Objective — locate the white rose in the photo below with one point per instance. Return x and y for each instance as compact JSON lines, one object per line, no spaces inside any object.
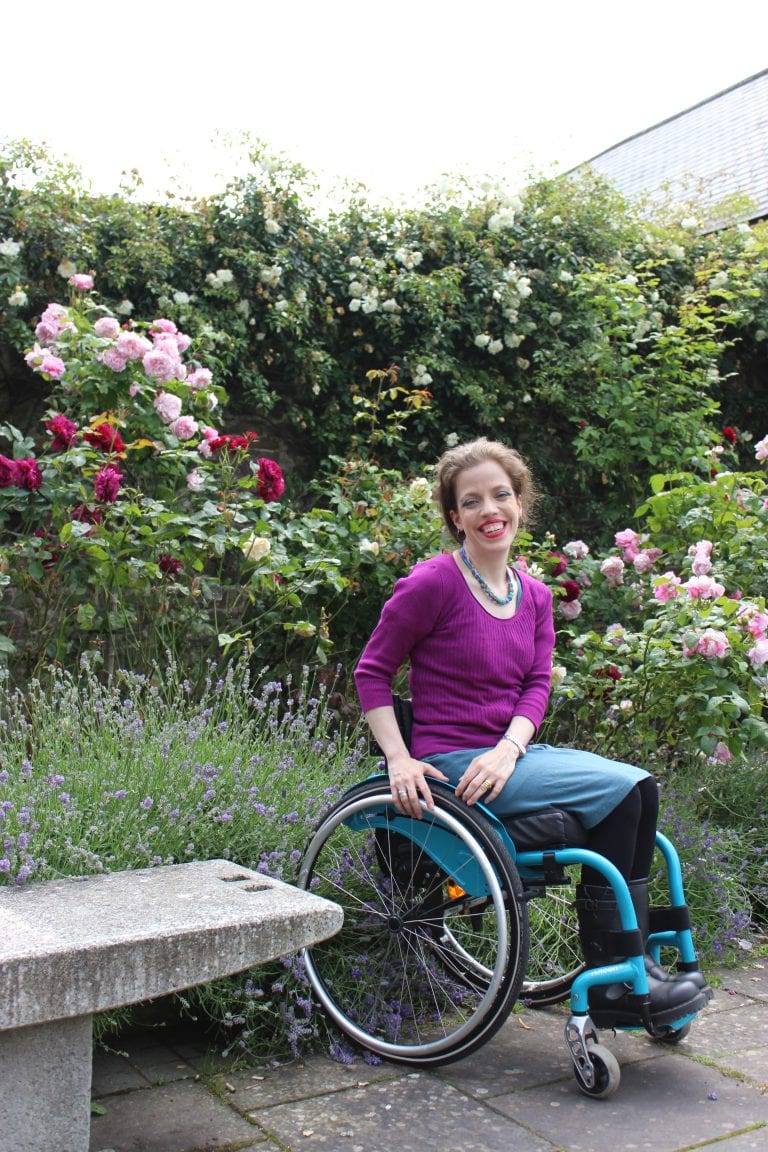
{"x":482,"y":340}
{"x":495,"y":347}
{"x":11,"y":248}
{"x":18,"y":298}
{"x":255,"y":547}
{"x":369,"y":547}
{"x":66,"y":269}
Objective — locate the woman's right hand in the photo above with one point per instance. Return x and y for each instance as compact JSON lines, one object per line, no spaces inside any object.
{"x":409,"y":785}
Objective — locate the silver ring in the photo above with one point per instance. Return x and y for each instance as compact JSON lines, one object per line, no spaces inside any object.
{"x":402,"y":791}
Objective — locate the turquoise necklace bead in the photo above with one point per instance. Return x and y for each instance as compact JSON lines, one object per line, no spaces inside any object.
{"x":511,"y":583}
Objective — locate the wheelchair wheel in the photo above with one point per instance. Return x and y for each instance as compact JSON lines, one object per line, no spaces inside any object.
{"x":432,"y":952}
{"x":606,"y":1072}
{"x":554,"y":955}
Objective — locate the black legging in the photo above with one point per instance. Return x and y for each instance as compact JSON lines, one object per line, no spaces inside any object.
{"x":627,"y":836}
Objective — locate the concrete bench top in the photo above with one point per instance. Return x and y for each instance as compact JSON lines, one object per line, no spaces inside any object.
{"x":82,"y":945}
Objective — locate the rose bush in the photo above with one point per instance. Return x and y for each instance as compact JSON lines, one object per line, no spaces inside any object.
{"x":124,"y":531}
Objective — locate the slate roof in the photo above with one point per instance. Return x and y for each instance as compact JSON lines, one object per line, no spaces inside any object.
{"x":715,"y":149}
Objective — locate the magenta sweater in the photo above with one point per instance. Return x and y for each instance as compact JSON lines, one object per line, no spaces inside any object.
{"x":469,"y":672}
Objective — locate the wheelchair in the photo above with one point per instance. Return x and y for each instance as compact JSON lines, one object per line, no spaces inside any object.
{"x":451,"y":919}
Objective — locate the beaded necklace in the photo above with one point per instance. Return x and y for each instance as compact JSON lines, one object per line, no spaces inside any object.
{"x":511,"y":582}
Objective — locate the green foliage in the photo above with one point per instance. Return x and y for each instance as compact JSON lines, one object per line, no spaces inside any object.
{"x":601,"y":341}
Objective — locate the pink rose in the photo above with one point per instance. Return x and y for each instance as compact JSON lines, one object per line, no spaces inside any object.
{"x":759,"y":654}
{"x":613,"y":570}
{"x":209,"y":433}
{"x":183,"y":428}
{"x":761,"y":449}
{"x":712,"y":644}
{"x":703,"y":588}
{"x":569,"y":609}
{"x":626,"y":539}
{"x":643,"y":562}
{"x":107,"y":327}
{"x":161,"y":366}
{"x":615,"y":634}
{"x":195,"y":480}
{"x":666,"y":587}
{"x":53,"y":322}
{"x":81,"y":281}
{"x":47,"y":333}
{"x":132,"y":345}
{"x":758,"y":625}
{"x":200,"y":378}
{"x":113,"y":360}
{"x":577,"y":549}
{"x":52,"y":366}
{"x":167,"y":326}
{"x":722,"y":753}
{"x":167,"y":406}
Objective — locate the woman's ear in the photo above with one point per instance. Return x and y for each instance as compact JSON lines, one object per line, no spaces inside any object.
{"x":456,"y":519}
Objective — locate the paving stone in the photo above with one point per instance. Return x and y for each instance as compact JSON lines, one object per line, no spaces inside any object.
{"x":180,"y":1117}
{"x":530,"y":1049}
{"x":727,"y":1035}
{"x":259,"y":1088}
{"x":417,"y":1113}
{"x":752,"y":980}
{"x":754,"y":1141}
{"x":667,"y":1105}
{"x":113,"y":1072}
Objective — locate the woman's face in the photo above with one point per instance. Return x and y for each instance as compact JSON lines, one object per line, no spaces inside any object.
{"x":488,"y":510}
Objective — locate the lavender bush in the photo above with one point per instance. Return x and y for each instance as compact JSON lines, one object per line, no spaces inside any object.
{"x":143,"y":771}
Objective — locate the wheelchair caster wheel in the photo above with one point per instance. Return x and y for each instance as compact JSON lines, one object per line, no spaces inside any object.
{"x":606,"y":1073}
{"x":673,"y":1035}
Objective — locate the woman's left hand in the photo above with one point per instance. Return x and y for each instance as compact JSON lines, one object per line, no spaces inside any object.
{"x":487,"y":774}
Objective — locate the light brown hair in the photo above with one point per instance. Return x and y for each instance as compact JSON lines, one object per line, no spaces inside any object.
{"x":464,"y":456}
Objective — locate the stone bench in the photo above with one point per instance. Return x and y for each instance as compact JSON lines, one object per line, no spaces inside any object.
{"x":71,"y":948}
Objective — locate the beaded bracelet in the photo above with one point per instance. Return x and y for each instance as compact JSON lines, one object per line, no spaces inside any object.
{"x":520,"y":750}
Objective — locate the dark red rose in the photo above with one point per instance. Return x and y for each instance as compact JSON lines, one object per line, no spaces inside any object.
{"x":729,"y":434}
{"x":270,"y":483}
{"x":557,"y":563}
{"x":611,"y":672}
{"x":107,"y":484}
{"x":8,"y":472}
{"x":169,"y":565}
{"x":86,"y":515}
{"x":105,"y":437}
{"x":572,"y":590}
{"x":63,"y":431}
{"x":28,"y":474}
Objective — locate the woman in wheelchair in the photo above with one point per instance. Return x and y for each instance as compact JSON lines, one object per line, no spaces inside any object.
{"x":478,"y":635}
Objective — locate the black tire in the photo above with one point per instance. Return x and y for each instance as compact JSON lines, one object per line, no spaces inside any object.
{"x":394,"y":978}
{"x":606,"y":1072}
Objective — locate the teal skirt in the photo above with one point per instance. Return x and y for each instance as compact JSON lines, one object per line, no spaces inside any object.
{"x":580,"y":782}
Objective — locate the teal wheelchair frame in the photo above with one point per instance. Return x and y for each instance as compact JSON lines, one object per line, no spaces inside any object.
{"x":451,"y":919}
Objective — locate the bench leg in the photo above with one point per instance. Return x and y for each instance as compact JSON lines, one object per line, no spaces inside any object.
{"x":45,"y":1071}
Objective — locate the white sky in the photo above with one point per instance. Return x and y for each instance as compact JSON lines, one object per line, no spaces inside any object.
{"x":393,"y":94}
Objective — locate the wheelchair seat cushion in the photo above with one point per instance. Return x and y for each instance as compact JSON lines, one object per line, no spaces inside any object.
{"x":547,"y":828}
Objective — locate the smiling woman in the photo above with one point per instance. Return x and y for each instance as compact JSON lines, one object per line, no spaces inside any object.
{"x":479,"y":636}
